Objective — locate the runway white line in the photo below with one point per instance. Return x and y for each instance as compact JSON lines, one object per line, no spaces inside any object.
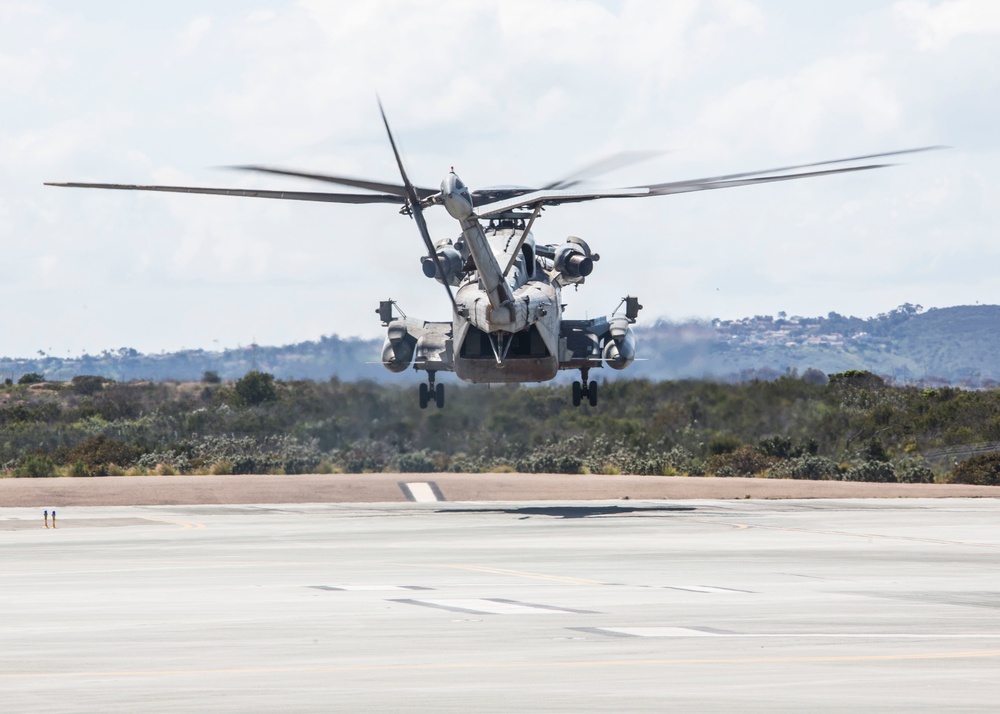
{"x":707,"y":632}
{"x":492,"y":606}
{"x":422,"y":492}
{"x":367,"y":588}
{"x":707,"y":589}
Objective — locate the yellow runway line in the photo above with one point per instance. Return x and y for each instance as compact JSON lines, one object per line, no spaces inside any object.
{"x":510,"y":666}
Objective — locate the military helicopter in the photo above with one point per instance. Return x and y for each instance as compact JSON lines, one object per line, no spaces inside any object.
{"x":505,"y":289}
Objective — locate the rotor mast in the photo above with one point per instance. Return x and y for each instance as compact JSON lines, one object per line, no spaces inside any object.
{"x":457,"y":200}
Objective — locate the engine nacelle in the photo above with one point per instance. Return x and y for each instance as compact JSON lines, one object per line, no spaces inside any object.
{"x":450,"y":261}
{"x":574,"y":261}
{"x":397,"y":352}
{"x":619,"y":347}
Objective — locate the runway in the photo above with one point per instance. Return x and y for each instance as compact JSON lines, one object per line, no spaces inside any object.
{"x":787,"y":606}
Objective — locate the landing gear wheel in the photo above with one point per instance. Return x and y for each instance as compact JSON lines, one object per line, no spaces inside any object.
{"x":424,"y":396}
{"x":439,"y":396}
{"x":592,"y":393}
{"x":577,"y":394}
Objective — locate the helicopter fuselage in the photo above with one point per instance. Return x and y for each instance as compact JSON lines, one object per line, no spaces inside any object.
{"x":507,"y":324}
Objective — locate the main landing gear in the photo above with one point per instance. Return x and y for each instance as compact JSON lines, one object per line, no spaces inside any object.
{"x":584,"y":390}
{"x":429,"y":391}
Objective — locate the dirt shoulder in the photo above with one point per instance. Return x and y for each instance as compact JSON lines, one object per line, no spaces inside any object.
{"x":385,"y":488}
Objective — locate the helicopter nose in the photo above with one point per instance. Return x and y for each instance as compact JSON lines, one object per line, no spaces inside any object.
{"x":456,"y":197}
{"x":452,"y":183}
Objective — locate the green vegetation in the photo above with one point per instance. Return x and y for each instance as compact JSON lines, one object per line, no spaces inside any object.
{"x":852,"y":426}
{"x":255,"y":388}
{"x":982,"y":470}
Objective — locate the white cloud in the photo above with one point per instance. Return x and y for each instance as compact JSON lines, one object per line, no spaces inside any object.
{"x":793,"y":113}
{"x":936,"y":27}
{"x":509,"y":92}
{"x":194,"y":33}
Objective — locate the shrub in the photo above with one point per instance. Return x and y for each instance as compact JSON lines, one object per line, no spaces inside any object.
{"x":783,"y":447}
{"x":211,"y":377}
{"x":958,"y":435}
{"x":31,"y":378}
{"x":872,"y":472}
{"x":874,"y":450}
{"x":364,"y":456}
{"x":744,"y":461}
{"x":236,"y":455}
{"x":87,"y":384}
{"x":99,"y":453}
{"x":857,"y":378}
{"x":78,"y":469}
{"x":362,"y":464}
{"x":255,"y":388}
{"x":222,"y":468}
{"x":816,"y":468}
{"x":914,"y":472}
{"x":152,"y":461}
{"x":415,"y":462}
{"x":979,"y":470}
{"x":680,"y":460}
{"x":547,"y":462}
{"x":35,"y":466}
{"x":722,"y":445}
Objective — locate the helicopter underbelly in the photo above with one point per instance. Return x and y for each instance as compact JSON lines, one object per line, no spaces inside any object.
{"x":521,"y":369}
{"x":530,"y":355}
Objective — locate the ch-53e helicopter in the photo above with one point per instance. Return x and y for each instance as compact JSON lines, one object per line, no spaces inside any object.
{"x":505,"y":289}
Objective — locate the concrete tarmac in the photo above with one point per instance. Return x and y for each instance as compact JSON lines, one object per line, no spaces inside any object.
{"x":600,"y":606}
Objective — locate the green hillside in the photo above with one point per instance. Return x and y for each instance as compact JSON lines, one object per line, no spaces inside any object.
{"x":954,"y":345}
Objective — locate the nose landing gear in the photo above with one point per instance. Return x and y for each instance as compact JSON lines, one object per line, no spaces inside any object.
{"x":430,"y":392}
{"x":584,"y":390}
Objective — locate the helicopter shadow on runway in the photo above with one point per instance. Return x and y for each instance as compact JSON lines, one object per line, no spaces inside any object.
{"x":572,"y":511}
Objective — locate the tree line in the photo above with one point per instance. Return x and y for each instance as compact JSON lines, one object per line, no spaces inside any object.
{"x":852,"y":426}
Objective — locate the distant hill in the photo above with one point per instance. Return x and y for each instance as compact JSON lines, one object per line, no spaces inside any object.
{"x":347,"y":359}
{"x":955,"y":345}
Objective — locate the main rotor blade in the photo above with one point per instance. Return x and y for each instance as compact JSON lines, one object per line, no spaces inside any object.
{"x":413,"y":201}
{"x":782,"y":169}
{"x":392,"y":188}
{"x":482,"y":196}
{"x":248,"y":193}
{"x":746,"y":178}
{"x":496,"y":200}
{"x":553,"y":198}
{"x":689,"y":186}
{"x":601,"y":167}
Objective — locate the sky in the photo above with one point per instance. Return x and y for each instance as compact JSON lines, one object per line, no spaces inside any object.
{"x":506,"y":92}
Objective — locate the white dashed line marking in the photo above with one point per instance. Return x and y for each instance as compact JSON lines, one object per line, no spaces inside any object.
{"x":369,"y":587}
{"x":494,"y":606}
{"x":654,"y":632}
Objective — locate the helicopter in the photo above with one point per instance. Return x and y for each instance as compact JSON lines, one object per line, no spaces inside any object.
{"x":504,"y":288}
